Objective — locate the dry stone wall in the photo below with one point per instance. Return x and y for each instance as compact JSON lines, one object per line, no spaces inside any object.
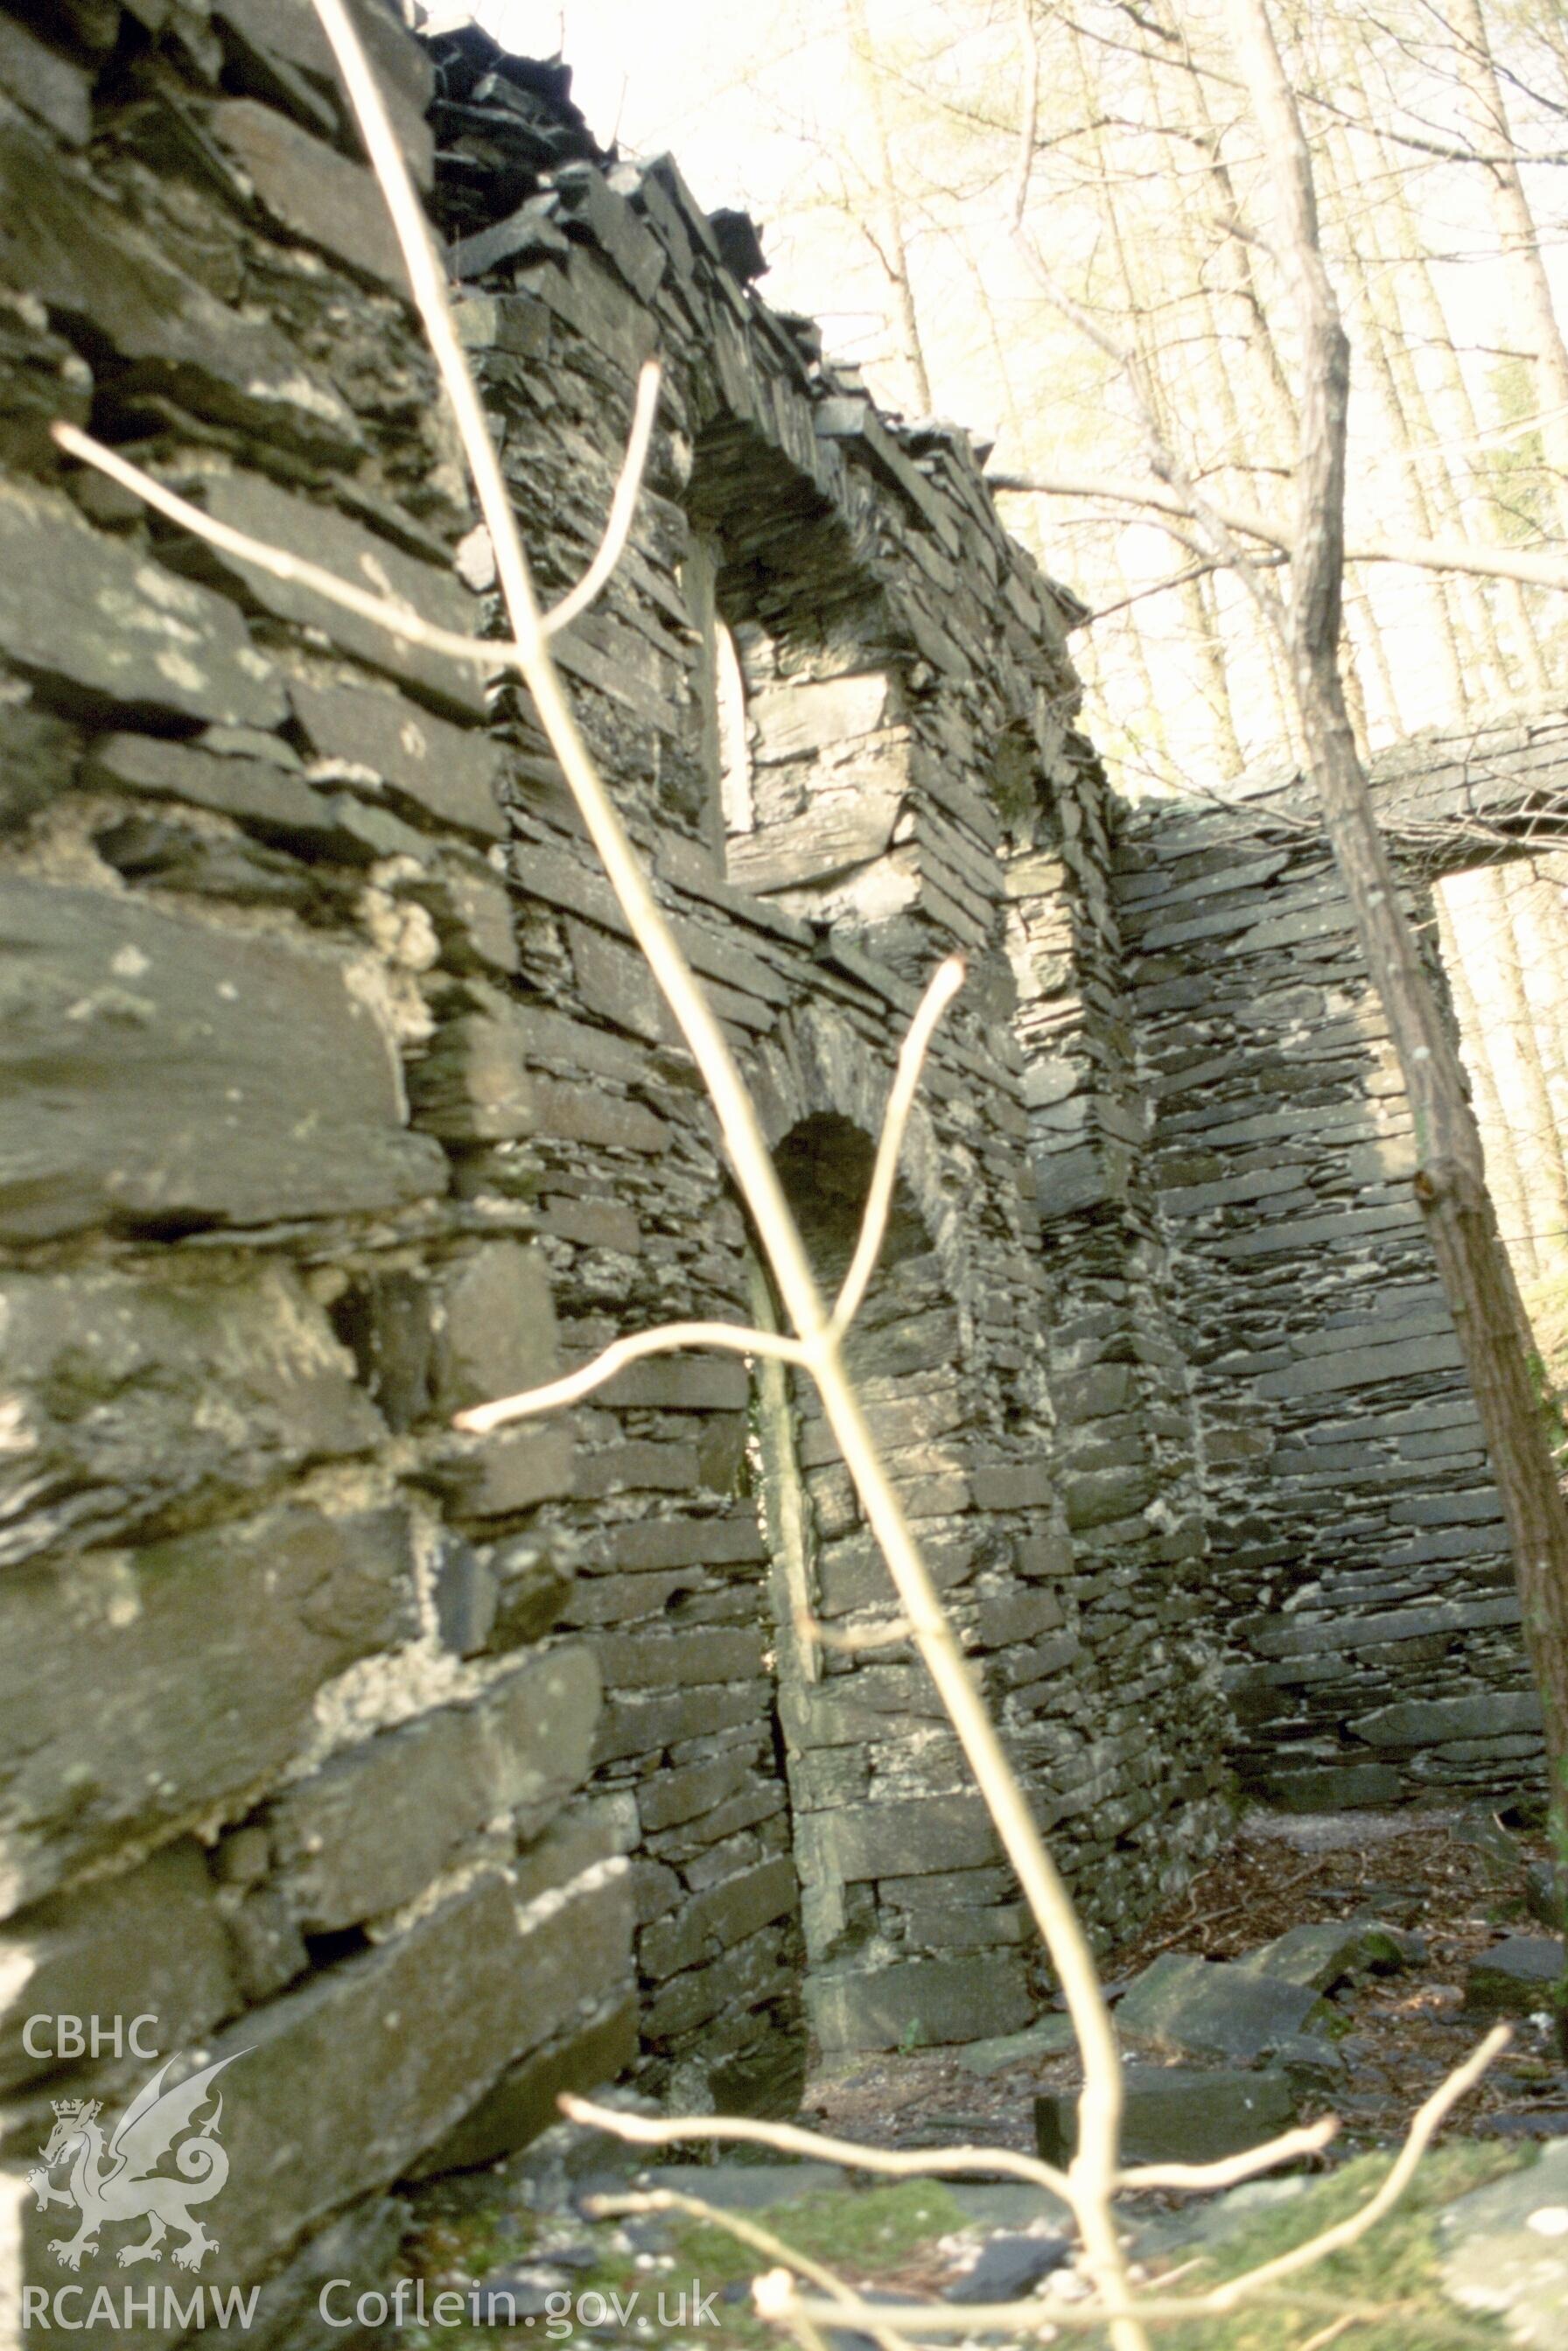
{"x":1364,"y":1578}
{"x":431,"y":1773}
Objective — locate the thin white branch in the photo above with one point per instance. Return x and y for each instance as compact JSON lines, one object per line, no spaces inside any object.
{"x":761,"y":2240}
{"x":1291,"y":2145}
{"x":398,"y":620}
{"x":622,"y":507}
{"x":1477,"y":559}
{"x":1099,"y":2105}
{"x":944,"y":984}
{"x":983,"y":2318}
{"x":1423,"y":2129}
{"x":572,"y":1387}
{"x":789,"y":2138}
{"x":383,"y":612}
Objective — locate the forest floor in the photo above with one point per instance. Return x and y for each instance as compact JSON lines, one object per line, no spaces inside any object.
{"x":1457,"y":1881}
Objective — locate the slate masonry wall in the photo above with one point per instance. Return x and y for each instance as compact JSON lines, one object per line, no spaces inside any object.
{"x":433,"y":1774}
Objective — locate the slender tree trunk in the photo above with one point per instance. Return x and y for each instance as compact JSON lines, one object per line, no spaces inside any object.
{"x":895,"y":247}
{"x":1520,"y":239}
{"x":1208,"y":648}
{"x":1457,"y":423}
{"x":1450,"y":1179}
{"x":1374,"y":346}
{"x":1503,"y":1174}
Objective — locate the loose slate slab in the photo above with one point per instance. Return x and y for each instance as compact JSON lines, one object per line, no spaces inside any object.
{"x":311,"y":191}
{"x":1505,"y":2251}
{"x":1176,"y":2114}
{"x":1201,"y":2009}
{"x":62,"y":242}
{"x":152,"y":1072}
{"x":1318,"y":1958}
{"x":442,"y":771}
{"x":102,"y":626}
{"x":326,"y":536}
{"x":1515,"y":1978}
{"x":1052,"y":2037}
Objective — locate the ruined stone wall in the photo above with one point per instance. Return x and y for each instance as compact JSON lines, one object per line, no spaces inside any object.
{"x":432,"y":1774}
{"x":1128,"y":1436}
{"x":1364,"y":1582}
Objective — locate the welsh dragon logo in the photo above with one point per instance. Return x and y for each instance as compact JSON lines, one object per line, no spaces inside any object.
{"x":118,"y":2183}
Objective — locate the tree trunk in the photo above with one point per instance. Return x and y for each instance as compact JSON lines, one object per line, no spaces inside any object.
{"x":1449,"y":1181}
{"x":1457,"y":422}
{"x":1521,"y":241}
{"x":1504,"y":1177}
{"x":895,"y":259}
{"x":1209,"y":647}
{"x":1374,"y":346}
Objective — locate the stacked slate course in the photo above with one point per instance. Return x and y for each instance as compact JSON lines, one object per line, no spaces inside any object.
{"x":1365,"y":1587}
{"x":436,"y":1773}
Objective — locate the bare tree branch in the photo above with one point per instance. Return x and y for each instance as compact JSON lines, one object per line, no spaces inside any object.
{"x":1424,"y":554}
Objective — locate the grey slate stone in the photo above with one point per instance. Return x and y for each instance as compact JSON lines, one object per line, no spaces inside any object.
{"x":436,"y":769}
{"x":1052,"y":2037}
{"x":49,"y":85}
{"x":312,"y":192}
{"x":1203,"y":2009}
{"x":138,"y":1394}
{"x":896,"y":1838}
{"x":1007,"y":2267}
{"x":1347,"y":1784}
{"x":1517,"y":1976}
{"x":921,"y":2002}
{"x":496,"y":1329}
{"x":467,"y":1598}
{"x":147,"y":1079}
{"x":149,"y":1942}
{"x":64,"y":242}
{"x":249,"y":503}
{"x":593,"y":2053}
{"x":371,"y":1828}
{"x":1430,"y":1722}
{"x":337,"y":2090}
{"x":257,"y":793}
{"x":1544,"y":1894}
{"x":291,"y":31}
{"x":38,"y":756}
{"x":1319,"y":1957}
{"x":204,"y":1654}
{"x":1176,"y":2114}
{"x":104,"y":626}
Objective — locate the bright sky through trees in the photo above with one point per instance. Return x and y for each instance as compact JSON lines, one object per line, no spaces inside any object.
{"x":773,"y":110}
